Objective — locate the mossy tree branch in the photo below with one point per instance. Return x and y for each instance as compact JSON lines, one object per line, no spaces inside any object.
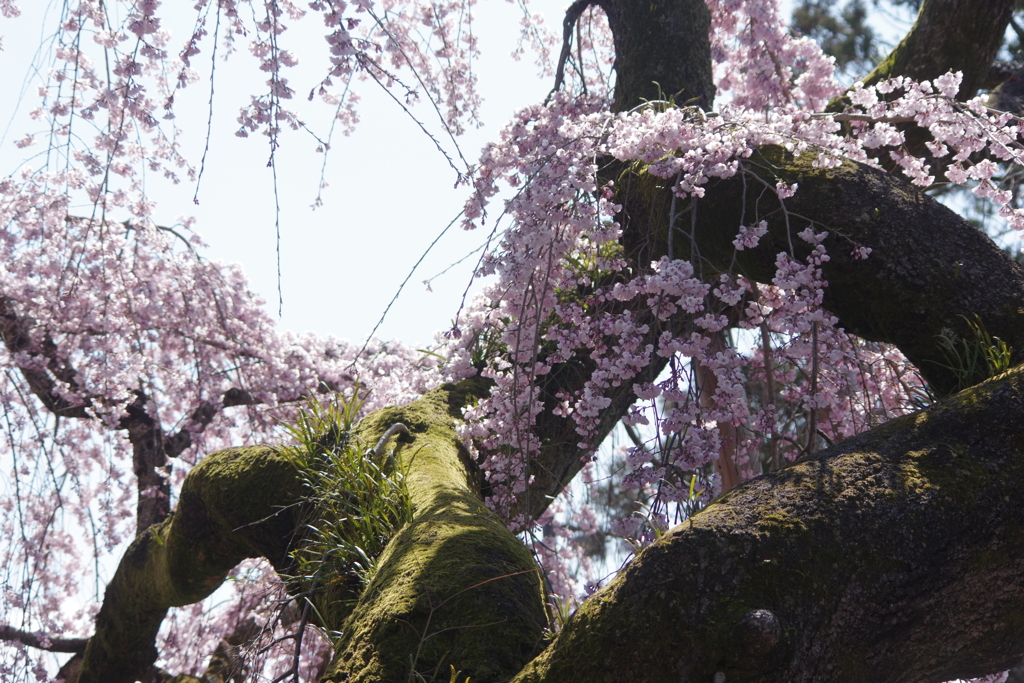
{"x":452,"y":579}
{"x":454,"y":587}
{"x":897,"y":556}
{"x":235,"y":504}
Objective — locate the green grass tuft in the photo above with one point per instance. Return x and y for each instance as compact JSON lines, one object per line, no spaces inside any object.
{"x":356,"y":501}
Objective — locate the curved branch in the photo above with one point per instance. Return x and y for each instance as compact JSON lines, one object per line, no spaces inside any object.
{"x":572,"y":15}
{"x":929,"y":270}
{"x":235,"y":504}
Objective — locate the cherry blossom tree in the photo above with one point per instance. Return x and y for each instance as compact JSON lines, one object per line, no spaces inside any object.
{"x":707,"y":239}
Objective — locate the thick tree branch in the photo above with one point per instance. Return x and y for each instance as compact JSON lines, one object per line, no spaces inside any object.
{"x":235,"y":504}
{"x":948,"y":35}
{"x":929,"y":270}
{"x":661,"y":51}
{"x":454,"y":587}
{"x":896,"y":556}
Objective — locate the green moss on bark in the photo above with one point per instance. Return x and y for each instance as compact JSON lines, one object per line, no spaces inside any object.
{"x":454,"y":587}
{"x":235,"y":504}
{"x":871,"y":558}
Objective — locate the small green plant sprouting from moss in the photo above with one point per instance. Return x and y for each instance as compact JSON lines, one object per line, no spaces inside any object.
{"x":487,"y":345}
{"x":356,"y":499}
{"x":559,"y":610}
{"x":975,"y":358}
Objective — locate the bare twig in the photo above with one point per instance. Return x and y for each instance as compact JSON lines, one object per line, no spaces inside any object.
{"x":400,"y":288}
{"x":812,"y":430}
{"x":300,"y":630}
{"x":769,"y":399}
{"x":572,"y":15}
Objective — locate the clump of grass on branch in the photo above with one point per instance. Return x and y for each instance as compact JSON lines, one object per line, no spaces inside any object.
{"x":356,"y":500}
{"x":975,"y":358}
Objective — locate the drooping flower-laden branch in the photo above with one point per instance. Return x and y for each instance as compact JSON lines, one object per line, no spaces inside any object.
{"x":739,"y":285}
{"x":574,"y":290}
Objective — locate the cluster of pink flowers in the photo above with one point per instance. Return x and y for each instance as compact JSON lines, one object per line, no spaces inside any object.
{"x":762,"y":65}
{"x":827,"y":385}
{"x":110,"y":306}
{"x":102,"y":306}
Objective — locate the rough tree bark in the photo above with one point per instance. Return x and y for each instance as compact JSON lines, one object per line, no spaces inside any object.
{"x":896,"y":556}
